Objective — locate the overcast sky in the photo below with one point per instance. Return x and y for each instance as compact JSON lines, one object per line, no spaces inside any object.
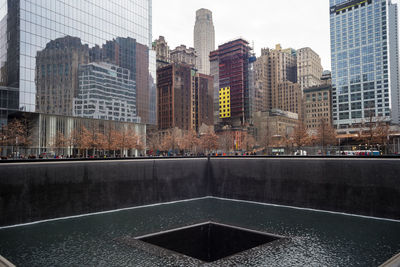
{"x":292,"y":23}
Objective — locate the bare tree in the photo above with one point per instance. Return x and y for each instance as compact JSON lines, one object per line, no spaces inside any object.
{"x":132,"y":140}
{"x":59,"y":142}
{"x":18,"y":133}
{"x":248,"y":142}
{"x":140,"y":145}
{"x":110,"y":139}
{"x":189,"y":141}
{"x":265,"y":138}
{"x":326,"y":135}
{"x":225,"y":141}
{"x":300,"y":135}
{"x":170,"y":139}
{"x":381,"y":135}
{"x":154,"y":142}
{"x":101,"y":142}
{"x":27,"y":132}
{"x":121,"y":139}
{"x":367,"y":136}
{"x":209,"y":141}
{"x":73,"y":140}
{"x":3,"y":137}
{"x":85,"y":140}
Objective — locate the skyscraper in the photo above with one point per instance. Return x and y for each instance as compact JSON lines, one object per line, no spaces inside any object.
{"x":232,"y":66}
{"x":27,"y":27}
{"x":309,"y":68}
{"x":276,"y":80}
{"x":364,"y":50}
{"x":204,"y":39}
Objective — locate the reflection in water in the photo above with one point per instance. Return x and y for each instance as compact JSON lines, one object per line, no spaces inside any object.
{"x":315,"y":238}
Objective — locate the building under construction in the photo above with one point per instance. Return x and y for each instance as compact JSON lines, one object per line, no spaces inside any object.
{"x":232,"y":64}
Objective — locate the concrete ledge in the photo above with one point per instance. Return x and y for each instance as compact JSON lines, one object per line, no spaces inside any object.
{"x":393,"y":262}
{"x":5,"y":263}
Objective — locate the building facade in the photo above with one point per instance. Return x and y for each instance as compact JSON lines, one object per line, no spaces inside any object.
{"x":57,"y":75}
{"x":8,"y":103}
{"x":204,"y":39}
{"x":184,"y":98}
{"x":28,"y":26}
{"x":214,"y":72}
{"x":276,"y":81}
{"x":161,"y":48}
{"x":309,"y":68}
{"x":182,"y":54}
{"x":317,"y":107}
{"x":202,"y":101}
{"x":364,"y":50}
{"x":326,"y":77}
{"x":235,"y":64}
{"x":288,"y":98}
{"x":105,"y":92}
{"x":44,"y":130}
{"x":272,"y":126}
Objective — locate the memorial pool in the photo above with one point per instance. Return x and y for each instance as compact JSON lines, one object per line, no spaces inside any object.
{"x":313,"y":238}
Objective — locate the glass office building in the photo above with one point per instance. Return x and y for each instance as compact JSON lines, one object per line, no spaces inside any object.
{"x":43,"y":43}
{"x":108,"y":92}
{"x":364,"y":50}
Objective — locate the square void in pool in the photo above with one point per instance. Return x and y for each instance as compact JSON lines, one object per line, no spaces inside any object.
{"x":209,"y":241}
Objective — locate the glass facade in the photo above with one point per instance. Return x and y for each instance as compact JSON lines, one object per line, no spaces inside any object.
{"x":153,"y":87}
{"x":364,"y":83}
{"x":105,"y":92}
{"x":66,"y":33}
{"x":8,"y":103}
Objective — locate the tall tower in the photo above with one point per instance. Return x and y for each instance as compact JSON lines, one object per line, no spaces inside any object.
{"x":276,"y":76}
{"x":23,"y":57}
{"x":232,"y":66}
{"x":204,"y":39}
{"x":309,"y":68}
{"x":365,"y":71}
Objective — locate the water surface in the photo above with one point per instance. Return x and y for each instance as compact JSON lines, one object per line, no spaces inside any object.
{"x":313,"y":238}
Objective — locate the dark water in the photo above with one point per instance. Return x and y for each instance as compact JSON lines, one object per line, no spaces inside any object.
{"x":314,"y":238}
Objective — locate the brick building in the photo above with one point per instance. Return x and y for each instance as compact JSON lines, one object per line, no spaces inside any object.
{"x":184,"y":98}
{"x":317,"y":106}
{"x":276,"y":80}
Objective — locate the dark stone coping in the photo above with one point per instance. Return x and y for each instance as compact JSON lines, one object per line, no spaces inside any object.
{"x":196,"y":157}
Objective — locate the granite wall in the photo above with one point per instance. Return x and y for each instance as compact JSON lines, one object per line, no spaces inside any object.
{"x":36,"y":191}
{"x":359,"y":186}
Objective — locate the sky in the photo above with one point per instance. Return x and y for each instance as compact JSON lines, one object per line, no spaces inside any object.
{"x":291,"y":23}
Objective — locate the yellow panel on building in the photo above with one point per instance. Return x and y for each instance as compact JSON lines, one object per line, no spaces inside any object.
{"x":225,"y":102}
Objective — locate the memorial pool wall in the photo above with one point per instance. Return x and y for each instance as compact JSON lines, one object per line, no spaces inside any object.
{"x":34,"y":191}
